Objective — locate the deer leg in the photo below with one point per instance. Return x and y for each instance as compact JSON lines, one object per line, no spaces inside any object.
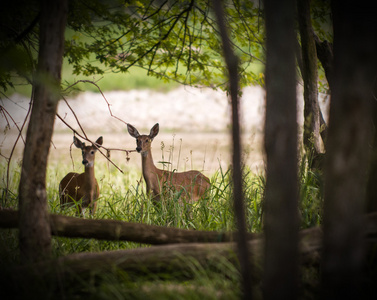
{"x":92,"y":208}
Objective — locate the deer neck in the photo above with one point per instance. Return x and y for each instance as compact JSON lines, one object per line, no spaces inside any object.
{"x":147,"y":163}
{"x":149,"y":169}
{"x":89,"y":179}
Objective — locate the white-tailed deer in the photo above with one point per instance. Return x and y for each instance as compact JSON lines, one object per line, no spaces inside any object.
{"x":191,"y":184}
{"x":82,"y":188}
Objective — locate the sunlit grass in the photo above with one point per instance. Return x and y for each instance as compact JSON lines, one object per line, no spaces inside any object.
{"x":123,"y":198}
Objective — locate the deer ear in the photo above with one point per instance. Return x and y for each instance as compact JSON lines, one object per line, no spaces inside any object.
{"x":154,"y":131}
{"x":99,"y":141}
{"x":78,"y":143}
{"x":132,"y":131}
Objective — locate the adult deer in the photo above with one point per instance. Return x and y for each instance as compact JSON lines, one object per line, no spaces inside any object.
{"x":75,"y":187}
{"x":191,"y":184}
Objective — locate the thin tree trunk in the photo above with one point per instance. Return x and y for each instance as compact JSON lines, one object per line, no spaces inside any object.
{"x":238,"y":195}
{"x":281,"y":195}
{"x":35,"y":235}
{"x":347,"y":158}
{"x":312,"y":124}
{"x":325,"y":56}
{"x":372,"y":177}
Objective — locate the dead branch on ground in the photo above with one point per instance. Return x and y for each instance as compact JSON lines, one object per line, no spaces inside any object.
{"x":114,"y":230}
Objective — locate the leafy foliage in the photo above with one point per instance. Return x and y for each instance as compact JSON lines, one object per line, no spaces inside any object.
{"x":176,"y":40}
{"x":171,"y":40}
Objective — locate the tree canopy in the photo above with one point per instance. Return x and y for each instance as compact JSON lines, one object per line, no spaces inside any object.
{"x":172,"y":40}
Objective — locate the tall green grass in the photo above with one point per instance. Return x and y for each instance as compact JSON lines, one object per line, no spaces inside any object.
{"x":123,"y":198}
{"x":311,"y":195}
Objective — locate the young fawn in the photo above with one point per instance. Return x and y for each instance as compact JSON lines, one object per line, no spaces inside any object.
{"x":75,"y":187}
{"x":192,"y":184}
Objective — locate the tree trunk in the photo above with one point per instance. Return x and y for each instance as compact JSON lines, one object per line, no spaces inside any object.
{"x":325,"y":56}
{"x":347,"y":158}
{"x":238,"y":196}
{"x":309,"y":72}
{"x":281,"y":195}
{"x":372,"y":177}
{"x":35,"y":235}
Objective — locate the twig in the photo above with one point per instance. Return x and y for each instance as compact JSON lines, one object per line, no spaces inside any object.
{"x":82,"y":129}
{"x":5,"y":113}
{"x":15,"y":143}
{"x":99,"y":89}
{"x":74,"y":114}
{"x":98,"y":147}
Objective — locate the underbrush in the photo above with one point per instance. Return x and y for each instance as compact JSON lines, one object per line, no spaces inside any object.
{"x":123,"y":198}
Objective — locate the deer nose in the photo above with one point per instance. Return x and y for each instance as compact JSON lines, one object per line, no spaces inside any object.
{"x":138,"y":149}
{"x":84,"y":162}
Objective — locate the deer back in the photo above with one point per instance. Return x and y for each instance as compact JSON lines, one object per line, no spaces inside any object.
{"x":69,"y":189}
{"x":73,"y":187}
{"x":193,"y":183}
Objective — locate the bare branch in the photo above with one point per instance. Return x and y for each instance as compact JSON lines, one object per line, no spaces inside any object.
{"x":14,"y":145}
{"x":99,"y":89}
{"x":5,"y":114}
{"x":74,"y":114}
{"x":86,"y":139}
{"x":108,"y":150}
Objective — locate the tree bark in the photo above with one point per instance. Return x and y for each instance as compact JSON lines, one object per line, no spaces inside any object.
{"x":113,"y":230}
{"x":35,"y":235}
{"x":347,"y":157}
{"x":325,"y":56}
{"x":281,"y":194}
{"x":309,"y":72}
{"x":372,"y":177}
{"x":238,"y":195}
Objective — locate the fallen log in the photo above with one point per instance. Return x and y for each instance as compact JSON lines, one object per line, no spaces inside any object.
{"x":172,"y":259}
{"x":177,"y":258}
{"x":114,"y":230}
{"x":147,"y":234}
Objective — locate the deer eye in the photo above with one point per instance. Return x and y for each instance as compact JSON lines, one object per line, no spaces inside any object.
{"x":92,"y":152}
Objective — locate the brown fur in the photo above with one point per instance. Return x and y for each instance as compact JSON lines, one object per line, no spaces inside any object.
{"x":82,"y":188}
{"x":193,"y":183}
